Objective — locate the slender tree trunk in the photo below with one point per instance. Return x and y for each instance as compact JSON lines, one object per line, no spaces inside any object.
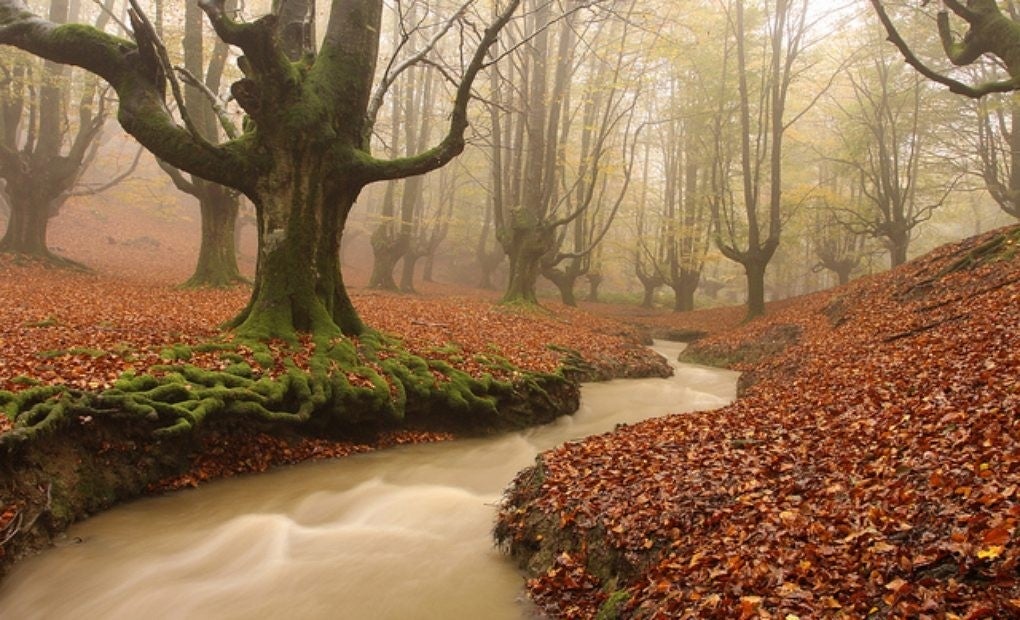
{"x":594,"y":281}
{"x":755,"y":271}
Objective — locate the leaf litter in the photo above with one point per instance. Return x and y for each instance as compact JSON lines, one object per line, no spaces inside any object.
{"x":870,"y":469}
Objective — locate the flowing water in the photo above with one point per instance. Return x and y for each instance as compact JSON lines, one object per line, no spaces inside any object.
{"x":399,"y":534}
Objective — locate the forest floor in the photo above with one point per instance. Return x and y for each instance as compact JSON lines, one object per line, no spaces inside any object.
{"x":83,"y":330}
{"x":870,"y":468}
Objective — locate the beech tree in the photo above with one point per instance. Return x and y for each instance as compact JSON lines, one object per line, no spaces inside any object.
{"x":746,"y":190}
{"x":218,"y":205}
{"x":887,"y":139}
{"x":990,"y":32}
{"x":305,"y":155}
{"x":39,"y":167}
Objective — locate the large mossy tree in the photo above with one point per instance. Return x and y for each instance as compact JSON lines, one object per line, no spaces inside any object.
{"x":305,"y":156}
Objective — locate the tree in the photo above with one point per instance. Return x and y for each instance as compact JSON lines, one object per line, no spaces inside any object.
{"x":606,"y":112}
{"x":218,"y":205}
{"x":747,"y":221}
{"x":412,"y":103}
{"x":990,"y":33}
{"x":649,"y":248}
{"x":525,"y":183}
{"x":306,"y":155}
{"x":885,"y":136}
{"x":38,"y":166}
{"x":548,"y":208}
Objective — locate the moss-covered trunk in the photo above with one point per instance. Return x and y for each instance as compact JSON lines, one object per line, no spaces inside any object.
{"x":525,"y":245}
{"x":217,"y":256}
{"x":298,"y":284}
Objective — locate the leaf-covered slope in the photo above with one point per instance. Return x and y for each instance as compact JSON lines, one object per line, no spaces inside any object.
{"x":872,"y":468}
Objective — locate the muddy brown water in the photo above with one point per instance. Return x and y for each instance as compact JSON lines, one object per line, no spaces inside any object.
{"x":398,"y":534}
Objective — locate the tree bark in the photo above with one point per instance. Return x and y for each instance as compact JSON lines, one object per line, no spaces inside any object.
{"x":217,"y":255}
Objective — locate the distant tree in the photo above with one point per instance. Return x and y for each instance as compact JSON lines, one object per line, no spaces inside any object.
{"x":606,"y":113}
{"x":997,"y":144}
{"x":886,"y":137}
{"x":412,"y":102}
{"x":746,"y":195}
{"x":648,"y":254}
{"x":550,"y":152}
{"x":218,"y":205}
{"x":990,"y":33}
{"x":39,"y":166}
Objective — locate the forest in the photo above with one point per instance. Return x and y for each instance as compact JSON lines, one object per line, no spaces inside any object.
{"x":240,"y":237}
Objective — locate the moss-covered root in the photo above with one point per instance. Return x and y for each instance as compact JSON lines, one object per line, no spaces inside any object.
{"x":34,"y":411}
{"x":1000,"y":247}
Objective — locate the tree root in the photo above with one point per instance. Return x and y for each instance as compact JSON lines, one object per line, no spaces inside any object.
{"x":176,"y":400}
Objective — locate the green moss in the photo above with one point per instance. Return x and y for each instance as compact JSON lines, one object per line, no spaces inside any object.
{"x":49,"y":321}
{"x":25,"y":380}
{"x":613,"y":607}
{"x":211,"y":347}
{"x":178,"y":352}
{"x":240,"y":369}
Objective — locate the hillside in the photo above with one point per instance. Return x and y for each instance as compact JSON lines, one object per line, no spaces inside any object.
{"x":870,"y":468}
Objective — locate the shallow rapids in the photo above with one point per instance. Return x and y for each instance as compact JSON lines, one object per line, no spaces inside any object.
{"x":399,"y":534}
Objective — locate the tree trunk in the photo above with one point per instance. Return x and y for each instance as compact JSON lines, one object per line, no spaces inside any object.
{"x":26,"y":227}
{"x":217,"y":256}
{"x":565,"y":281}
{"x":298,"y":285}
{"x":683,"y":294}
{"x":755,"y":270}
{"x":898,"y":245}
{"x":387,"y":248}
{"x":843,"y":273}
{"x":525,"y":248}
{"x":407,"y":272}
{"x":648,"y":300}
{"x":594,"y":281}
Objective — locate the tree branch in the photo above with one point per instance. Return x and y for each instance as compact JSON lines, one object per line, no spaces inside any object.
{"x":143,"y":112}
{"x":955,"y":86}
{"x":453,"y":144}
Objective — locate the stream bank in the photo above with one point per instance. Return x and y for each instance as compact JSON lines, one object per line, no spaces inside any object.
{"x":88,"y":463}
{"x":391,"y":534}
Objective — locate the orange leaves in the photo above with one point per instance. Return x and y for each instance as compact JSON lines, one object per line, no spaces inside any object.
{"x":872,"y":469}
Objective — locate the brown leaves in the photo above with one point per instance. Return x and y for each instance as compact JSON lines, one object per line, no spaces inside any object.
{"x":84,"y":330}
{"x":862,"y":474}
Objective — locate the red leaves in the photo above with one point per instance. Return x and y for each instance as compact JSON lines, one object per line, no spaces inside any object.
{"x":861,"y":474}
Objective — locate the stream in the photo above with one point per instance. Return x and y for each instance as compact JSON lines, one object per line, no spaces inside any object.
{"x":397,"y":534}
